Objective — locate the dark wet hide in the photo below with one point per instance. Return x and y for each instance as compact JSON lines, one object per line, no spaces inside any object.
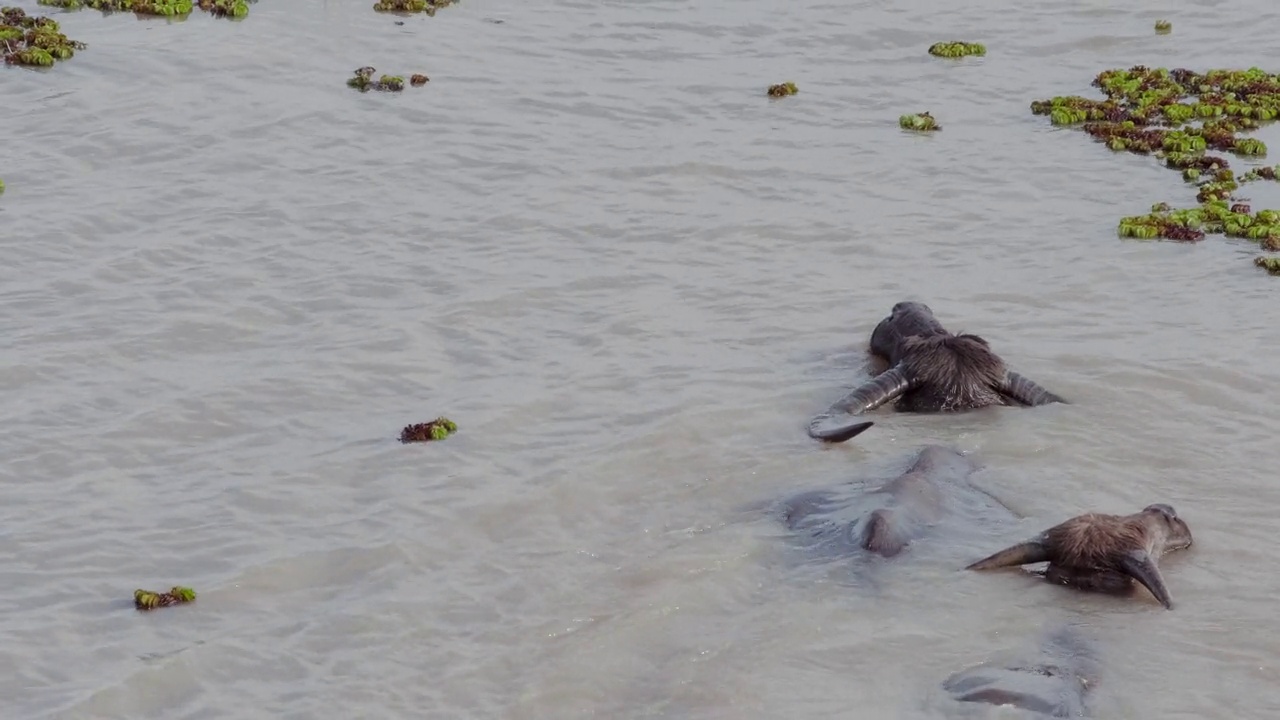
{"x":1051,"y":679}
{"x":930,"y":505}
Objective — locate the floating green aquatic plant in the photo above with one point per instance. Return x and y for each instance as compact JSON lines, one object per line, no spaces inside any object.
{"x":920,"y":121}
{"x":226,"y":8}
{"x":1179,"y":116}
{"x":1163,"y":27}
{"x":364,"y":82}
{"x":437,"y":429}
{"x":957,"y":48}
{"x":783,"y":89}
{"x":412,"y":6}
{"x":1,"y":186}
{"x":148,"y":600}
{"x":31,"y":40}
{"x":1260,"y":173}
{"x":1270,"y":263}
{"x":159,"y":8}
{"x":1212,"y":216}
{"x":165,"y":8}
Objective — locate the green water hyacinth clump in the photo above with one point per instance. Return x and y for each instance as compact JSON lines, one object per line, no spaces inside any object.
{"x":1164,"y":27}
{"x":956,"y":49}
{"x":923,"y":122}
{"x":1269,"y":263}
{"x":226,"y":8}
{"x":412,"y":6}
{"x":33,"y":41}
{"x":1164,"y":222}
{"x":1214,"y":215}
{"x":149,"y":600}
{"x":1181,"y":116}
{"x":785,"y":89}
{"x":159,"y":8}
{"x":437,"y":429}
{"x":1260,"y":173}
{"x":1147,"y":104}
{"x":364,"y":82}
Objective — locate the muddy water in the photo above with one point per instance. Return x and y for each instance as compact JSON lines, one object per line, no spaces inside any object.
{"x":228,"y":281}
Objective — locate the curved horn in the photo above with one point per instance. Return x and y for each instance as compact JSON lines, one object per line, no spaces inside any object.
{"x":885,"y":387}
{"x":1031,"y":551}
{"x":1139,"y":565}
{"x":1027,"y":391}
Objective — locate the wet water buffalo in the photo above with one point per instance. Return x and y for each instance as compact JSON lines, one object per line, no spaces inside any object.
{"x":932,"y":494}
{"x":1103,"y":553}
{"x":930,"y":370}
{"x":1053,"y":678}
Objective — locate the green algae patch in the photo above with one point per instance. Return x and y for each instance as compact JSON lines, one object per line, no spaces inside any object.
{"x":148,"y":600}
{"x":922,"y":122}
{"x":33,"y":41}
{"x":1270,"y":263}
{"x":1163,"y":27}
{"x":1182,"y":118}
{"x":437,"y":429}
{"x":957,"y":49}
{"x":412,"y":6}
{"x":785,"y":89}
{"x":1,"y":187}
{"x":363,"y":81}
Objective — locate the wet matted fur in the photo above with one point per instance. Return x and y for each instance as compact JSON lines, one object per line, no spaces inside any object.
{"x":931,"y":370}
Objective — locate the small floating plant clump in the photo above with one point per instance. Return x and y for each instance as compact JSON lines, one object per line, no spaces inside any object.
{"x":783,"y":89}
{"x":437,"y":429}
{"x":1270,"y":263}
{"x":33,"y":41}
{"x":956,"y":49}
{"x":923,"y":122}
{"x":363,"y":81}
{"x":1260,"y":173}
{"x":1180,"y":116}
{"x":148,"y":600}
{"x":412,"y":6}
{"x":1163,"y":27}
{"x":226,"y":8}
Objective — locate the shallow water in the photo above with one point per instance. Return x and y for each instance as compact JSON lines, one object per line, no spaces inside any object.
{"x":631,"y":279}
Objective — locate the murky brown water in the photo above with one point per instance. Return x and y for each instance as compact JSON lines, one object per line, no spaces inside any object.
{"x":228,"y":281}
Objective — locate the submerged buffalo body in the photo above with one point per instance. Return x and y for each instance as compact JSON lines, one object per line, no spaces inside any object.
{"x":1103,"y":553}
{"x":913,"y":506}
{"x":1051,"y":679}
{"x":930,"y":370}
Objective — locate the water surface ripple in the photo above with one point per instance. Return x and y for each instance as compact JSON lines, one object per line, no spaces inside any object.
{"x":630,"y":278}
